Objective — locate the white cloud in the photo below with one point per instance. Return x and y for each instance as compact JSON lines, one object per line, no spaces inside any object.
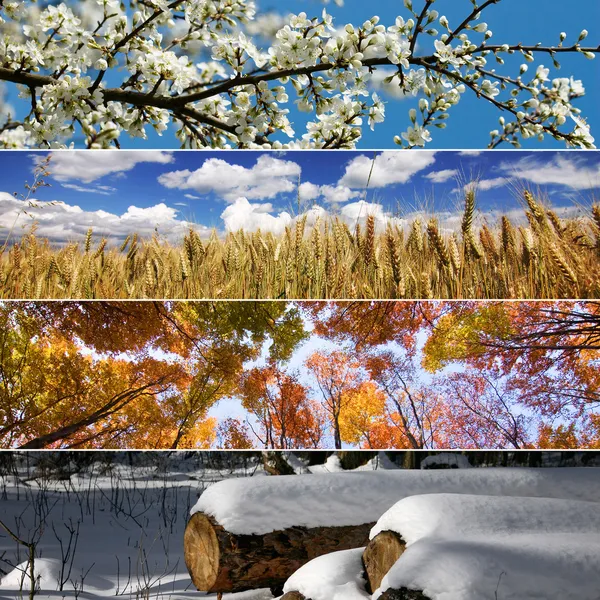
{"x":309,"y":191}
{"x":331,"y":194}
{"x":315,"y":212}
{"x":489,"y":184}
{"x":89,"y":165}
{"x":191,"y":197}
{"x":269,"y":177}
{"x":393,"y":89}
{"x":104,"y":190}
{"x":241,"y":214}
{"x":60,"y":222}
{"x":573,"y":172}
{"x":336,"y":194}
{"x":470,"y":152}
{"x":484,"y":185}
{"x":355,"y":212}
{"x":441,"y":176}
{"x":390,"y":167}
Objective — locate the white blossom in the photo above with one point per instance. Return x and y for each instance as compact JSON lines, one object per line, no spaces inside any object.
{"x":218,"y":74}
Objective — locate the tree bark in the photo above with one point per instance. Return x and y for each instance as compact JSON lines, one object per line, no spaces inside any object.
{"x":379,"y":557}
{"x":221,"y":561}
{"x":275,"y":463}
{"x":352,"y":459}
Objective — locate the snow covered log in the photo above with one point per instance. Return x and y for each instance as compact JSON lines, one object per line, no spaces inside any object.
{"x":254,"y":532}
{"x":505,"y":547}
{"x":222,"y":561}
{"x":380,"y":556}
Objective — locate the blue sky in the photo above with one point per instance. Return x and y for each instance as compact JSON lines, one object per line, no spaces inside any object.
{"x":512,"y":21}
{"x":119,"y":192}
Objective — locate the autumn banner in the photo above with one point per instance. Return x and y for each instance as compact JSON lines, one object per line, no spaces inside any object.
{"x":300,"y":375}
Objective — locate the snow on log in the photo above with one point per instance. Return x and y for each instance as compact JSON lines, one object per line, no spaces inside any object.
{"x":518,"y":547}
{"x":257,"y":505}
{"x":335,"y":576}
{"x":222,"y":561}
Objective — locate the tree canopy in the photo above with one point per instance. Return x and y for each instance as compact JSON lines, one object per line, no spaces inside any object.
{"x":405,"y":374}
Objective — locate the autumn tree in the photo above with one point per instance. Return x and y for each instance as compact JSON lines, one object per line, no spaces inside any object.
{"x":364,"y":412}
{"x":550,"y":350}
{"x":234,"y":434}
{"x":482,"y":413}
{"x":51,"y":393}
{"x":151,"y":369}
{"x":336,"y":373}
{"x":413,"y":408}
{"x":544,"y":354}
{"x":280,"y":403}
{"x":408,"y":375}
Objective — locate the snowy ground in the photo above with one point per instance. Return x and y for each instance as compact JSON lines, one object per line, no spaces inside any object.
{"x":115,"y":533}
{"x":116,"y":529}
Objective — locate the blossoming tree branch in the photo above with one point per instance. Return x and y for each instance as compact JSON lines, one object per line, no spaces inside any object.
{"x":101,"y":69}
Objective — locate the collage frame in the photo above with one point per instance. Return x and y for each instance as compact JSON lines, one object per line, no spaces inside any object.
{"x":298,"y":308}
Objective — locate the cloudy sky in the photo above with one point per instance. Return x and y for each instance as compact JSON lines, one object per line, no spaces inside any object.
{"x":120,"y":192}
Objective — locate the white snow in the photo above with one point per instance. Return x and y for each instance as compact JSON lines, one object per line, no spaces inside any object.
{"x":335,"y":576}
{"x":518,"y":567}
{"x":271,"y":503}
{"x":463,"y":547}
{"x":462,"y":515}
{"x":331,"y":465}
{"x":130,"y":521}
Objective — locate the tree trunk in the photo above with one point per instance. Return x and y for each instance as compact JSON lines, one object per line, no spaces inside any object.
{"x":353,"y":459}
{"x":379,"y":557}
{"x":275,"y":463}
{"x":221,"y":561}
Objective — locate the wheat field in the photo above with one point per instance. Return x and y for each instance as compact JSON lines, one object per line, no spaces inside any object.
{"x":549,"y":258}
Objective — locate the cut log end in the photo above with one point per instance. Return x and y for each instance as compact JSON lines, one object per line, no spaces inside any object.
{"x":379,"y":557}
{"x":201,"y":552}
{"x":293,"y":596}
